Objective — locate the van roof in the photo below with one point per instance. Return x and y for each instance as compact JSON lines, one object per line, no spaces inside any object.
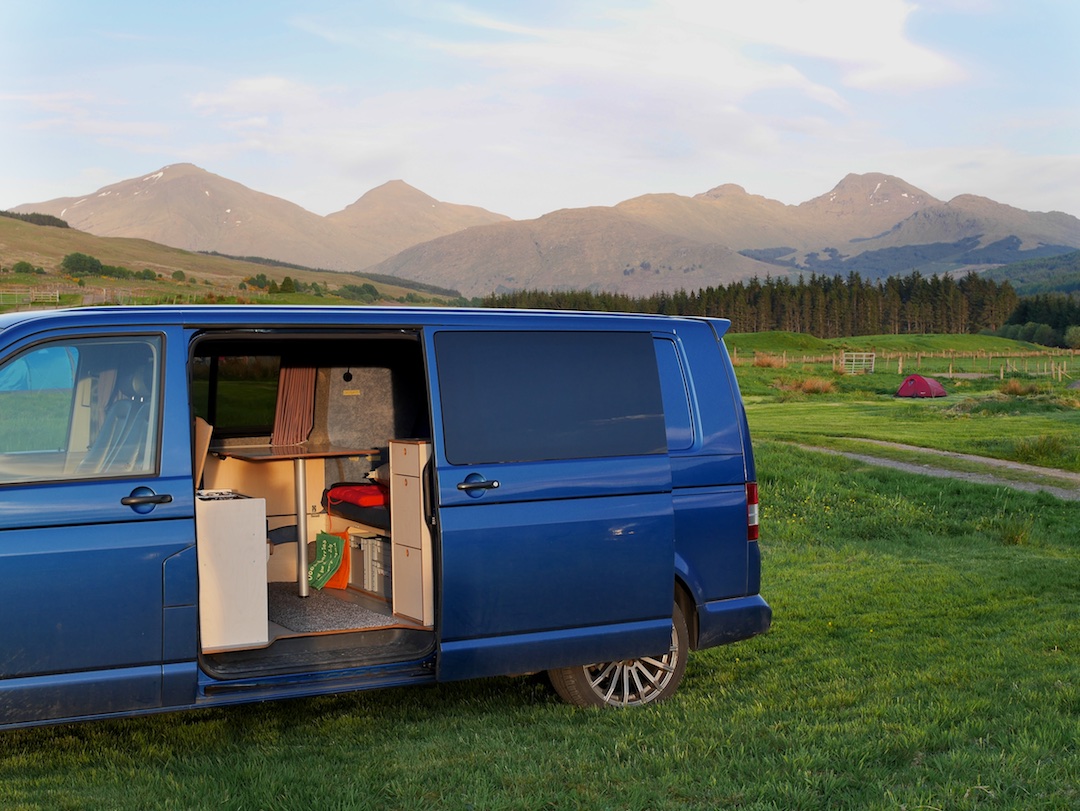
{"x":256,"y":316}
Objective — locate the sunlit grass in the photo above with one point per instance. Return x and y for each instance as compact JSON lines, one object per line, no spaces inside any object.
{"x":923,"y":655}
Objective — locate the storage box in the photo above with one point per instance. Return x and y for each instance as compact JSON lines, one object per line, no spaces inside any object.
{"x":375,"y":562}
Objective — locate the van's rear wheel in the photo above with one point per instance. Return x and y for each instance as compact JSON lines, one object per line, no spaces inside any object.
{"x":627,"y":682}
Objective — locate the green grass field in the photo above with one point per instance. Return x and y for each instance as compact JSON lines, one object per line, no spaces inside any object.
{"x":1030,"y":418}
{"x":923,"y":656}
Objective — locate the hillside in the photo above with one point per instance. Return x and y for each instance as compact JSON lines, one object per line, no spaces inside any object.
{"x":874,"y":224}
{"x":1058,"y":274}
{"x":45,"y":247}
{"x":395,"y":216}
{"x":586,"y":249}
{"x":186,"y":207}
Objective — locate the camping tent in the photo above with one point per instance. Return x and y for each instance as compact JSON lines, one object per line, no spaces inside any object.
{"x":919,"y":386}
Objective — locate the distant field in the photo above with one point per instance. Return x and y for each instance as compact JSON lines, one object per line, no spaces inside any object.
{"x":1008,"y":413}
{"x":747,"y":343}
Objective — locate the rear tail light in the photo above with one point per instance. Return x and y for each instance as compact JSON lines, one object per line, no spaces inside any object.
{"x":751,"y":511}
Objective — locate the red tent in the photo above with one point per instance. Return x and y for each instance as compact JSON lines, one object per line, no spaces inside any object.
{"x":919,"y":386}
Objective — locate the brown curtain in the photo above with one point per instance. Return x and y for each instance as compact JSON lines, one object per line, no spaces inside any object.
{"x":295,"y":412}
{"x":106,"y":386}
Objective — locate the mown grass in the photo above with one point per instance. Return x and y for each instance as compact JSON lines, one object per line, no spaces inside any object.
{"x":923,"y":655}
{"x":1025,"y":435}
{"x":1027,"y":418}
{"x":961,"y":464}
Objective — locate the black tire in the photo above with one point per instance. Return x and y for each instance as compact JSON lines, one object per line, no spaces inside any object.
{"x":627,"y":682}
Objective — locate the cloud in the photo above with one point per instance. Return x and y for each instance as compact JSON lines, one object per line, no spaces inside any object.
{"x":527,"y":109}
{"x":1030,"y":182}
{"x":736,"y":48}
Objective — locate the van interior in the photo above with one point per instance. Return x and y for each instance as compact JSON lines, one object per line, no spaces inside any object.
{"x":322,"y":437}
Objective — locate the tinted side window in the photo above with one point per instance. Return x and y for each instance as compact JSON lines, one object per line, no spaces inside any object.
{"x":237,"y":394}
{"x":531,"y":396}
{"x":83,"y":408}
{"x":680,"y":426}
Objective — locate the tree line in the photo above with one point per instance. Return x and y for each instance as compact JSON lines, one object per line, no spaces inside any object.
{"x":821,"y":305}
{"x":1052,"y":319}
{"x":36,"y":219}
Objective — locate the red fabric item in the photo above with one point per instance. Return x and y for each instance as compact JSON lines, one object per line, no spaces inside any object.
{"x":919,"y":386}
{"x":362,"y":495}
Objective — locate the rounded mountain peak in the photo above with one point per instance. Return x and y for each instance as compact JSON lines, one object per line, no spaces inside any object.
{"x":723,"y":192}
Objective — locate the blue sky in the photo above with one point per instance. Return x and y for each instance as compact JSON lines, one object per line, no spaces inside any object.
{"x":528,"y":107}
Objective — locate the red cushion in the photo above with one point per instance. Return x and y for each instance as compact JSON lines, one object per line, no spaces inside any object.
{"x":362,"y":495}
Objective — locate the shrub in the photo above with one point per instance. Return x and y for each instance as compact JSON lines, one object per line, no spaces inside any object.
{"x":817,"y":385}
{"x":366,"y":293}
{"x":769,"y":361}
{"x":1015,"y":388}
{"x":1046,"y":449}
{"x":1010,"y":530}
{"x":809,"y":385}
{"x":79,"y":264}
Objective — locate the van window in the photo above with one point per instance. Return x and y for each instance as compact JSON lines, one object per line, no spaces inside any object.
{"x":84,"y":408}
{"x":237,"y":394}
{"x":524,"y":397}
{"x":680,"y":427}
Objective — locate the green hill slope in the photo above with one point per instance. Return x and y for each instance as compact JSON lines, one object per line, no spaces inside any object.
{"x":45,"y":247}
{"x":1058,"y":274}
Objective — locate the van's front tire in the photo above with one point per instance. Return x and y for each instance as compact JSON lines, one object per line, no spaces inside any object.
{"x":627,"y":682}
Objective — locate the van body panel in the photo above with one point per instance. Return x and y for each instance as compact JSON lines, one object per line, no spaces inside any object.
{"x":83,"y":598}
{"x":64,"y":696}
{"x":704,"y":518}
{"x":570,"y":559}
{"x":723,"y":621}
{"x":522,"y":568}
{"x":709,"y":477}
{"x":84,"y":574}
{"x":526,"y":653}
{"x":539,"y":481}
{"x":559,"y":545}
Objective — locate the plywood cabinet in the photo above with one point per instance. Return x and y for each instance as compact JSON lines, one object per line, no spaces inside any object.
{"x":231,"y":542}
{"x":412,"y":571}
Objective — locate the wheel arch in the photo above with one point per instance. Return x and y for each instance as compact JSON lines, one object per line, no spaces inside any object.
{"x":684,"y":598}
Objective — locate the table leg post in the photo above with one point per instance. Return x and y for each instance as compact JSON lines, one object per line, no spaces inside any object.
{"x":300,"y":480}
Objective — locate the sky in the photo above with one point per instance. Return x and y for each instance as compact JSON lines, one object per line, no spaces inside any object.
{"x":527,"y":107}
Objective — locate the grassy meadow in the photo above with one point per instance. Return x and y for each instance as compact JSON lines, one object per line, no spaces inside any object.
{"x":993,"y":408}
{"x":923,"y":656}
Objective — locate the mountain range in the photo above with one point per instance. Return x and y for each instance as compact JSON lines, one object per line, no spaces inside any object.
{"x":875,"y":224}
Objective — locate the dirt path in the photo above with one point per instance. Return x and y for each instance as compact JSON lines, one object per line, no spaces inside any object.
{"x":1066,"y":493}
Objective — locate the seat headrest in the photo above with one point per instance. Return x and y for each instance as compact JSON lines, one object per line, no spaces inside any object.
{"x":140,"y":382}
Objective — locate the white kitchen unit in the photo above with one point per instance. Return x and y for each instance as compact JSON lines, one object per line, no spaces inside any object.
{"x":412,"y":571}
{"x":231,"y":543}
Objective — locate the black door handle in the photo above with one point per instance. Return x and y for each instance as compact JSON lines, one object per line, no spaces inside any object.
{"x":482,"y":485}
{"x":150,"y":498}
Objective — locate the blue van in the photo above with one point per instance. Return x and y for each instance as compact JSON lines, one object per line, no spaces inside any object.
{"x":203,"y":506}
